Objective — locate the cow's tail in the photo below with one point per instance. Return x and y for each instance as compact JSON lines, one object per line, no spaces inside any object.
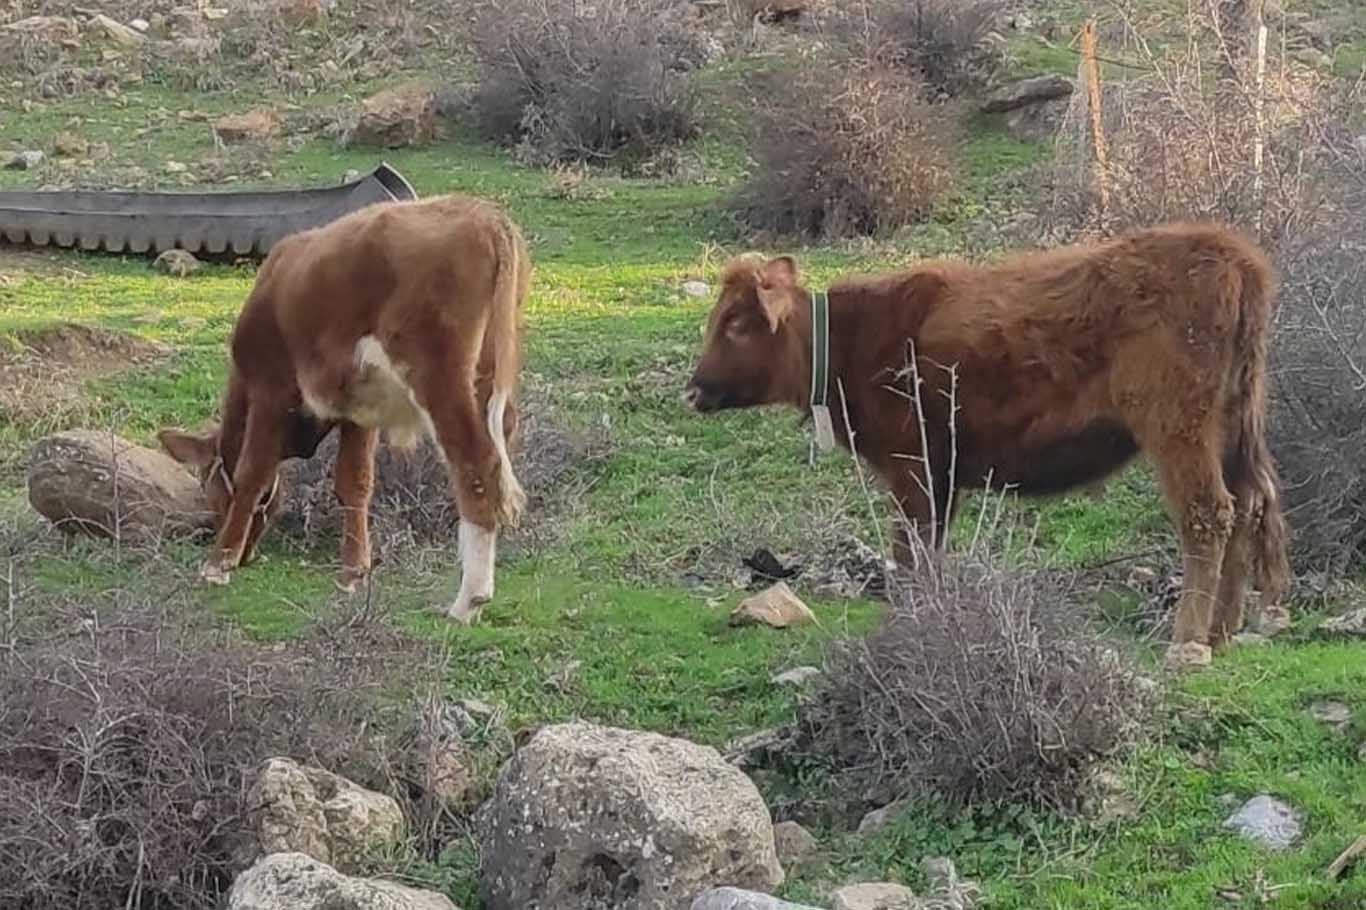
{"x":1251,"y":471}
{"x":510,"y":287}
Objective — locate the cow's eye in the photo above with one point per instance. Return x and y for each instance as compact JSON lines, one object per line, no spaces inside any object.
{"x":736,"y":327}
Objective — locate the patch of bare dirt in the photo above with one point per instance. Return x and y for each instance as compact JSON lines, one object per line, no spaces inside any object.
{"x":41,"y":371}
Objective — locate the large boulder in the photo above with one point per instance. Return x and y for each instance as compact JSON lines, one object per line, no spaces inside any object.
{"x":400,"y":116}
{"x":1025,"y":92}
{"x":293,"y":881}
{"x":300,"y":809}
{"x":103,"y":484}
{"x":590,"y":818}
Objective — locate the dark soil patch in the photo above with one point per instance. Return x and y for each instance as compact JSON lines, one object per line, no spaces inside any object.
{"x":41,"y":370}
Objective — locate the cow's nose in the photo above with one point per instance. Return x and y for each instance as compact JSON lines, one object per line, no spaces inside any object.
{"x":691,"y":395}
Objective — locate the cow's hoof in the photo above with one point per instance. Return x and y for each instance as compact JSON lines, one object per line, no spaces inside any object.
{"x":214,"y":574}
{"x":1190,"y":655}
{"x":466,"y":613}
{"x":348,"y":581}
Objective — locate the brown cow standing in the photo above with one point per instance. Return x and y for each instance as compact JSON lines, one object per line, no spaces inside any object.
{"x":1069,"y":362}
{"x":403,"y":317}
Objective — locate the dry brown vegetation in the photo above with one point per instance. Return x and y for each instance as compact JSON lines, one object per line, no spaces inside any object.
{"x":984,"y":685}
{"x":565,"y":81}
{"x":845,"y":149}
{"x":130,"y":731}
{"x":1181,"y":143}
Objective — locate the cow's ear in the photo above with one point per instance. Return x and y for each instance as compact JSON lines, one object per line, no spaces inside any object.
{"x":777,"y":284}
{"x":190,"y":449}
{"x":779,"y":273}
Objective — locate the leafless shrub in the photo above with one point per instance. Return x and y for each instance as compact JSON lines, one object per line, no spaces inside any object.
{"x":569,"y":81}
{"x":1182,"y":142}
{"x":946,"y":43}
{"x":844,"y":148}
{"x":128,"y":739}
{"x":983,"y":684}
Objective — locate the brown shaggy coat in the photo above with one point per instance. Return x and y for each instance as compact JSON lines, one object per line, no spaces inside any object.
{"x":1068,"y":363}
{"x":402,"y":317}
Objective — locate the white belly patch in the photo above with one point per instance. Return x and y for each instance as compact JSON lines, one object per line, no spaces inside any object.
{"x":377,"y":395}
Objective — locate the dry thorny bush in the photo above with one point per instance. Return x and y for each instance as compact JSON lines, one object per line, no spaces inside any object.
{"x":569,"y":81}
{"x":130,"y":734}
{"x":1181,"y":140}
{"x":945,"y":43}
{"x":984,"y":684}
{"x":844,"y":149}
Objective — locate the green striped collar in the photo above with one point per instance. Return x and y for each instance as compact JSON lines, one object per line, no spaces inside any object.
{"x":820,"y":370}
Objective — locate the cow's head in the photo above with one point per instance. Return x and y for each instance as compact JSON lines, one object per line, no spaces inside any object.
{"x":202,"y":453}
{"x":750,"y":353}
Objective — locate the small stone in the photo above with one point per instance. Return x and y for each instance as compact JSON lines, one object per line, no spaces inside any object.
{"x":1266,"y":821}
{"x":175,"y":167}
{"x":775,"y":606}
{"x":117,"y":31}
{"x":1333,"y":713}
{"x":1250,"y":639}
{"x":795,"y":844}
{"x":873,"y":896}
{"x":1191,"y":655}
{"x":351,"y":176}
{"x":141,"y":25}
{"x":26,"y":160}
{"x":740,"y":899}
{"x":251,"y":126}
{"x":797,"y":677}
{"x":69,"y":145}
{"x":878,"y":819}
{"x":178,"y":263}
{"x":694,"y":288}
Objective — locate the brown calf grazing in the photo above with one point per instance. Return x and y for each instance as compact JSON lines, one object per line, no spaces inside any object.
{"x":402,"y":317}
{"x":1068,"y":362}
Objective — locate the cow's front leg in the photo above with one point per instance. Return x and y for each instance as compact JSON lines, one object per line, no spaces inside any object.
{"x":354,"y":484}
{"x":254,"y":480}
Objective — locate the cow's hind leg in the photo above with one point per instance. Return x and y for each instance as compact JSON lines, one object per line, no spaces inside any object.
{"x":472,"y":459}
{"x":1202,"y":508}
{"x":354,"y":482}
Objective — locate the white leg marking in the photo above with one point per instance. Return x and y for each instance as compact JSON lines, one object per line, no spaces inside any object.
{"x":477,"y":557}
{"x":514,"y":497}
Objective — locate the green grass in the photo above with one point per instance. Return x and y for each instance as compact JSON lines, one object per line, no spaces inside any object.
{"x":606,"y":603}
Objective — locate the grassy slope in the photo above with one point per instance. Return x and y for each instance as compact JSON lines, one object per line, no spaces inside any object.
{"x":610,"y":341}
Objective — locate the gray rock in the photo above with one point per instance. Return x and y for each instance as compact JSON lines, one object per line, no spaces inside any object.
{"x":585,"y":817}
{"x":26,"y":160}
{"x":1267,"y":821}
{"x":797,"y":676}
{"x":874,"y":896}
{"x":878,"y":819}
{"x":696,"y":288}
{"x":1351,"y":624}
{"x":1036,"y":121}
{"x":179,"y":263}
{"x":795,"y":845}
{"x":1333,"y":713}
{"x":1022,"y":92}
{"x":293,"y":881}
{"x":739,"y":899}
{"x":300,"y":809}
{"x":102,"y":484}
